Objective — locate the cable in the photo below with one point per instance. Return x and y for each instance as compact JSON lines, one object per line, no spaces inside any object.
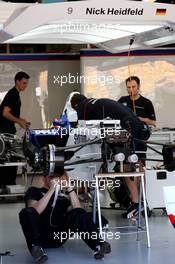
{"x":129,"y":71}
{"x":149,"y":142}
{"x":57,"y":190}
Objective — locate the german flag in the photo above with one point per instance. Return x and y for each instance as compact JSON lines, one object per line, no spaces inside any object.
{"x":160,"y":11}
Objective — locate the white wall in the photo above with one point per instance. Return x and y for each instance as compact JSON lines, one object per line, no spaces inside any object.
{"x":59,"y":88}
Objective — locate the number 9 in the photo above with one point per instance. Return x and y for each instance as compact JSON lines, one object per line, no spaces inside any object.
{"x":69,"y":10}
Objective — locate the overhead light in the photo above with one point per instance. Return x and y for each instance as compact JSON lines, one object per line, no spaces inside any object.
{"x":76,"y":32}
{"x":119,"y":30}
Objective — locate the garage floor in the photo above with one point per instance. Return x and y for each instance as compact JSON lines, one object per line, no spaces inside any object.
{"x":126,"y":250}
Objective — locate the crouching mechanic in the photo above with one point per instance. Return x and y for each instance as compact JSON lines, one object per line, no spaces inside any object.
{"x":45,"y":225}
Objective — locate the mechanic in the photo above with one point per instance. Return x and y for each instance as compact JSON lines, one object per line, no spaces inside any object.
{"x":47,"y":225}
{"x":144,"y":110}
{"x":9,"y":115}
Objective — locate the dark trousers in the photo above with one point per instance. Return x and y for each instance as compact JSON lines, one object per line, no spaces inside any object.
{"x":8,"y":175}
{"x":38,"y":232}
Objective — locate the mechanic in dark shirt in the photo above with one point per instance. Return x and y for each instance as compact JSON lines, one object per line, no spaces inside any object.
{"x":91,"y":109}
{"x":139,"y":104}
{"x":98,"y":109}
{"x":47,"y":225}
{"x":9,"y":115}
{"x":144,"y":109}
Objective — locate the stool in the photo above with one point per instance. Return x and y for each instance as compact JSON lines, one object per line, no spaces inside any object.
{"x":142,"y":192}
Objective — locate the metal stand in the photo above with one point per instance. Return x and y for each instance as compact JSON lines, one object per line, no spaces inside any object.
{"x":7,"y":253}
{"x":139,"y":227}
{"x":94,"y":205}
{"x":142,"y":193}
{"x":94,"y":195}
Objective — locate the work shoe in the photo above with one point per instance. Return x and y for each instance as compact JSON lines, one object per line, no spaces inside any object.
{"x":101,"y":250}
{"x":132,"y":210}
{"x":38,"y":254}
